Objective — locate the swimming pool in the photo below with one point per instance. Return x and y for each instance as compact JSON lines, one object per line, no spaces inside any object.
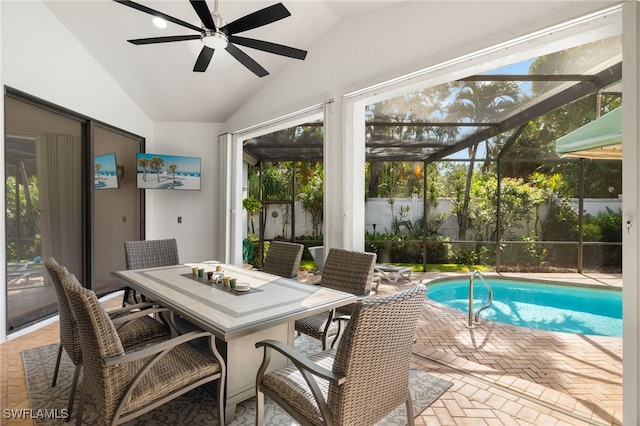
{"x":532,"y":304}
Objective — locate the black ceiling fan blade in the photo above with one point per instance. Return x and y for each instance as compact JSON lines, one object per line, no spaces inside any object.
{"x":246,"y":60}
{"x":266,"y":46}
{"x":153,"y":12}
{"x":204,"y":58}
{"x":257,"y":19}
{"x":201,"y":8}
{"x":167,"y":39}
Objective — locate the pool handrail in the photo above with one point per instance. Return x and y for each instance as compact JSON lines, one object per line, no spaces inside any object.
{"x":476,"y":320}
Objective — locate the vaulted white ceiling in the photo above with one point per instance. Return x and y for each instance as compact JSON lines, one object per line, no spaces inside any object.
{"x":160,"y":77}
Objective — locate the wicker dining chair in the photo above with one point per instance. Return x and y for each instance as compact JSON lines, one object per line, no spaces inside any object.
{"x":125,"y":384}
{"x":148,"y":254}
{"x":283,"y":259}
{"x":134,"y":326}
{"x":344,"y":270}
{"x":358,"y":383}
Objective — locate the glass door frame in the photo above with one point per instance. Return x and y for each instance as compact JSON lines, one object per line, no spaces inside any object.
{"x":87,"y":194}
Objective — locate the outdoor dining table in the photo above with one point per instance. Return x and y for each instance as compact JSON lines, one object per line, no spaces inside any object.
{"x":237,"y":319}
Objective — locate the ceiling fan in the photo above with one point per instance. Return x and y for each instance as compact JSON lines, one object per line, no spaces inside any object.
{"x":215,"y":34}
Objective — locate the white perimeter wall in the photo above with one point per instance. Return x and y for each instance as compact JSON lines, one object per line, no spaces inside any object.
{"x":378,"y":211}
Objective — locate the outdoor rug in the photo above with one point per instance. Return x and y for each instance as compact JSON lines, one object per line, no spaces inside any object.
{"x":194,"y":408}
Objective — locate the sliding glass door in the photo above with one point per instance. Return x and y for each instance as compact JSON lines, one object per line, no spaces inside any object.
{"x":44,"y":208}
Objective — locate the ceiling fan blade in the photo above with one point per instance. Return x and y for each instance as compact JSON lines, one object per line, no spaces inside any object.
{"x":153,"y":12}
{"x":201,"y":8}
{"x":203,"y":59}
{"x":266,"y":46}
{"x":245,"y":60}
{"x":257,"y":19}
{"x":168,"y":39}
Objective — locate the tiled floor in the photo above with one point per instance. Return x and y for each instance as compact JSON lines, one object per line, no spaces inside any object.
{"x":502,"y":375}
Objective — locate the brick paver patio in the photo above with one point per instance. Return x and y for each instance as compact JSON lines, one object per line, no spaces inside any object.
{"x":507,"y":375}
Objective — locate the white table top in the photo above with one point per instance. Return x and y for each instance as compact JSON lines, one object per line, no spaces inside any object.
{"x":228,"y":314}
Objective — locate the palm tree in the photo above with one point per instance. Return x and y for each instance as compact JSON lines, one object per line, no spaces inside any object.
{"x":173,"y":168}
{"x":156,"y":165}
{"x":476,"y":102}
{"x":410,"y":112}
{"x":144,"y":163}
{"x":98,"y":166}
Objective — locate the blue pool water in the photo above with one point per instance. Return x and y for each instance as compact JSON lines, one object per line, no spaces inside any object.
{"x":570,"y":309}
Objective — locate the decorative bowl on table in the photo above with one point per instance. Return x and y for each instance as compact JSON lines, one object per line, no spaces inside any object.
{"x":242,"y":287}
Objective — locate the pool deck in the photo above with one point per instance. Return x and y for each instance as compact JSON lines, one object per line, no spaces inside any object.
{"x":508,"y":375}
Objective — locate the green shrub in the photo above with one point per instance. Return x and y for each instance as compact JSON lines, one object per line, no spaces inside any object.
{"x":610,"y":224}
{"x":439,"y":250}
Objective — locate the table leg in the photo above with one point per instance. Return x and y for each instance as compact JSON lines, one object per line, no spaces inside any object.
{"x":243,"y":360}
{"x":229,"y":413}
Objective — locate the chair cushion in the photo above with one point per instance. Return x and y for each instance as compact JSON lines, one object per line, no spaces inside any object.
{"x":181,"y":366}
{"x":288,"y":383}
{"x":142,"y":330}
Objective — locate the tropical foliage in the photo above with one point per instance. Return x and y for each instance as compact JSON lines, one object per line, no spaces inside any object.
{"x":21,"y":215}
{"x":252,"y":205}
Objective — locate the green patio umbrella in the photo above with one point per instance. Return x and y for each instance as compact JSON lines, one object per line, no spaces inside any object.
{"x":600,"y":139}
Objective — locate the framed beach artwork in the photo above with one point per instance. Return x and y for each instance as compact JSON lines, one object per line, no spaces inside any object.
{"x":160,"y":171}
{"x":105,"y":172}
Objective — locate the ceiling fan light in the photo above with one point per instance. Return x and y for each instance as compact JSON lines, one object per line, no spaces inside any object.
{"x":216,"y":40}
{"x":159,"y":22}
